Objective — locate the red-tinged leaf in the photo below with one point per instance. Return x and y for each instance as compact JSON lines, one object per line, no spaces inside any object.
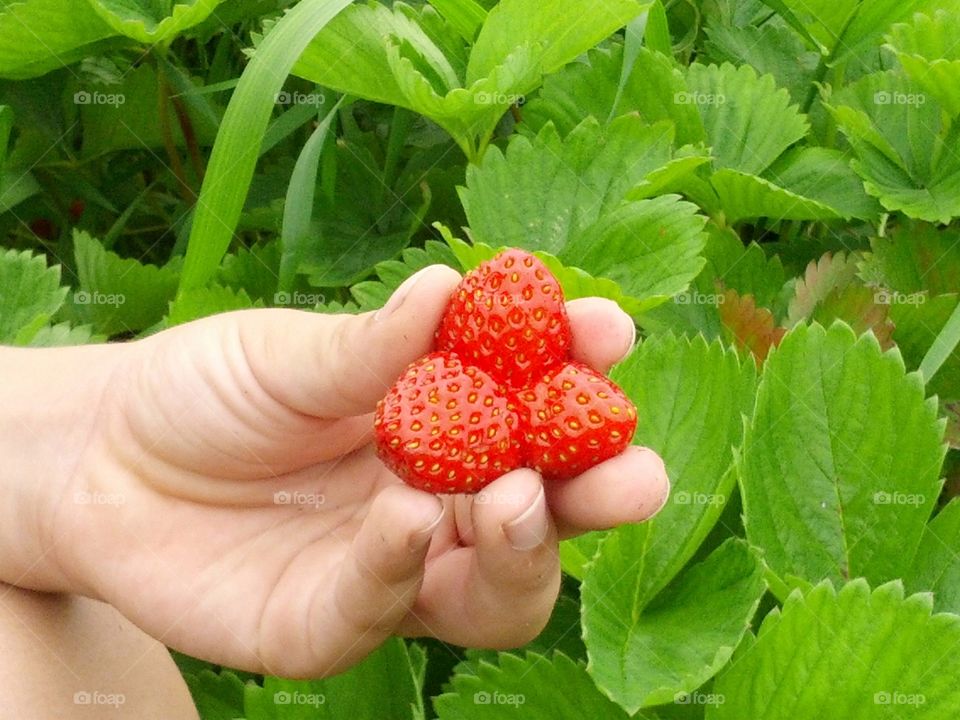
{"x":858,"y":306}
{"x":831,"y":272}
{"x":749,"y":327}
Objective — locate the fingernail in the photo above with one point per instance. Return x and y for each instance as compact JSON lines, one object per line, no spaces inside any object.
{"x":530,"y":528}
{"x":424,"y":535}
{"x":399,"y":295}
{"x":666,"y":479}
{"x":633,"y":338}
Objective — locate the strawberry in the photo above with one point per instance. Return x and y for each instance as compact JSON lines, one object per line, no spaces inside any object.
{"x":508,"y":318}
{"x":447,"y":427}
{"x":574,"y":419}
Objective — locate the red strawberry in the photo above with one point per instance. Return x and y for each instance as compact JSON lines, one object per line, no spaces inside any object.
{"x":508,"y":318}
{"x":575,"y":418}
{"x":447,"y":427}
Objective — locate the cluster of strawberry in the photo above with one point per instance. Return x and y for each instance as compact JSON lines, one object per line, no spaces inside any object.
{"x":501,"y":392}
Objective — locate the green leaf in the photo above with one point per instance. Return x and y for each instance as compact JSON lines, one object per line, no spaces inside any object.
{"x":206,"y":301}
{"x":749,"y":121}
{"x":373,"y":294}
{"x":770,"y":49}
{"x":218,"y":696}
{"x":298,"y":206}
{"x":566,"y":197}
{"x":943,"y":347}
{"x":916,"y":258}
{"x":743,"y":195}
{"x":843,"y":27}
{"x":59,"y":335}
{"x":936,"y":567}
{"x":651,"y":248}
{"x":918,"y":321}
{"x":642,"y":655}
{"x":30,"y":293}
{"x":234,"y":156}
{"x":840,"y":465}
{"x":691,"y":398}
{"x":119,"y":295}
{"x":253,"y":270}
{"x":533,"y":687}
{"x":37,"y":36}
{"x":385,"y":685}
{"x":465,"y":16}
{"x":904,"y":145}
{"x":560,"y":29}
{"x":651,"y":91}
{"x":862,"y":654}
{"x":927,"y":50}
{"x":153,"y":21}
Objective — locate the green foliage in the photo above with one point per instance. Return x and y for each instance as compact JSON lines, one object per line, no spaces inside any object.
{"x":770,"y":188}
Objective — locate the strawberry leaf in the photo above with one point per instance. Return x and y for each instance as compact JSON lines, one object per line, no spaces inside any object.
{"x":859,"y":635}
{"x":373,"y":294}
{"x":841,"y":460}
{"x":30,"y":294}
{"x":118,"y":295}
{"x":218,"y":696}
{"x":650,"y":654}
{"x":387,"y":684}
{"x":749,"y":327}
{"x":150,"y":21}
{"x":566,"y":197}
{"x":535,"y":687}
{"x":822,"y":277}
{"x":928,"y":52}
{"x":936,"y":566}
{"x":903,"y":145}
{"x":210,"y":300}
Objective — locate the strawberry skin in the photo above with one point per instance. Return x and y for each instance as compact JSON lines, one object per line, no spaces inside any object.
{"x":447,"y":427}
{"x":575,"y":418}
{"x":508,"y":318}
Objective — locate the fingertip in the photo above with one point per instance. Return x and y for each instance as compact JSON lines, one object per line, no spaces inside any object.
{"x":603,"y":334}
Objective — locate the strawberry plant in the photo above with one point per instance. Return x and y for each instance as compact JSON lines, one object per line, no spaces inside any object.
{"x":769,"y":188}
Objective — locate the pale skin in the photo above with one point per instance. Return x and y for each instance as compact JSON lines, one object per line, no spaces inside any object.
{"x":145,"y":474}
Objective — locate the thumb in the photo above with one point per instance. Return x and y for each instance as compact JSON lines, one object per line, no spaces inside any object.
{"x":341,"y":365}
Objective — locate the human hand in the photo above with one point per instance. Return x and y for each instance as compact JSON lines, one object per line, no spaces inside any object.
{"x":236,"y":509}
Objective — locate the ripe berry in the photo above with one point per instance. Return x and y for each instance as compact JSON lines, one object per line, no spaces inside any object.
{"x":508,"y":318}
{"x":447,"y":427}
{"x":574,"y":419}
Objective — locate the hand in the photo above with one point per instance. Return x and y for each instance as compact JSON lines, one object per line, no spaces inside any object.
{"x":227,"y":498}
